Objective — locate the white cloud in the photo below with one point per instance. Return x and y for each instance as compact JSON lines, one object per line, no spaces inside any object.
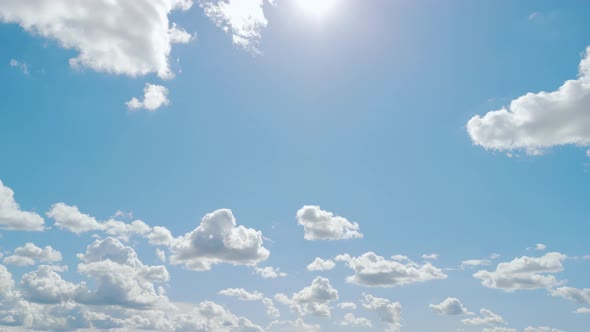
{"x":313,"y":299}
{"x":218,"y":240}
{"x":541,"y":329}
{"x":487,"y":317}
{"x":351,"y":320}
{"x":114,"y":36}
{"x":294,"y":326}
{"x":12,"y":217}
{"x":244,"y":19}
{"x":30,"y":254}
{"x":160,"y":236}
{"x":538,"y":247}
{"x":154,"y":97}
{"x":577,"y":295}
{"x":585,"y":311}
{"x":430,"y":256}
{"x":375,"y":271}
{"x":388,"y":312}
{"x":269,"y":272}
{"x":241,"y":294}
{"x":323,"y":225}
{"x":450,"y":306}
{"x":524,"y":273}
{"x":271,"y":310}
{"x":537,"y":121}
{"x":498,"y":329}
{"x":471,"y":263}
{"x":24,"y":68}
{"x":45,"y":285}
{"x":161,"y":255}
{"x":321,"y":265}
{"x":347,"y":306}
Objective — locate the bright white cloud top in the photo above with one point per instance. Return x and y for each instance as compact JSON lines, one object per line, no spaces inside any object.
{"x":11,"y":215}
{"x":324,"y":225}
{"x":154,"y":97}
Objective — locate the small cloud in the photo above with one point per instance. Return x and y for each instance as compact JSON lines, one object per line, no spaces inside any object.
{"x":538,"y":247}
{"x":430,"y":256}
{"x":583,"y":311}
{"x":20,"y":65}
{"x":154,"y":97}
{"x":534,"y":16}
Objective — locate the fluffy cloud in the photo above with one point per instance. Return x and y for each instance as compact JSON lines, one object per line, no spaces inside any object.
{"x":269,"y":272}
{"x":30,"y":254}
{"x":351,"y":320}
{"x":244,"y":19}
{"x":294,"y":326}
{"x":121,"y":278}
{"x":313,"y":299}
{"x":12,"y":217}
{"x":321,"y":265}
{"x":218,"y":240}
{"x":583,"y":311}
{"x":537,"y":121}
{"x":45,"y":285}
{"x":450,"y":306}
{"x":347,"y":305}
{"x":375,"y":271}
{"x":471,"y":263}
{"x":323,"y":225}
{"x":154,"y":97}
{"x":577,"y":295}
{"x":541,"y":329}
{"x":241,"y":294}
{"x":114,"y":36}
{"x":487,"y":317}
{"x":524,"y":273}
{"x":388,"y":312}
{"x":498,"y":329}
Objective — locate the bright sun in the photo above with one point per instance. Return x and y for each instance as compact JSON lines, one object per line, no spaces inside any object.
{"x":317,"y":8}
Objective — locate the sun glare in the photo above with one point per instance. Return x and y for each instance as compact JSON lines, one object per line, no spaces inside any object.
{"x":317,"y":8}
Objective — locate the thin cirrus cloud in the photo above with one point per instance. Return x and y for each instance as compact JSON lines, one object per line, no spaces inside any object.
{"x":536,"y":122}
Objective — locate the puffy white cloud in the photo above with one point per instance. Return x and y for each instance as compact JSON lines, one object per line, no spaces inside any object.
{"x":218,"y":240}
{"x":30,"y":254}
{"x":269,"y":272}
{"x":160,"y":236}
{"x":541,"y":329}
{"x":375,"y":271}
{"x":321,"y":265}
{"x":388,"y":312}
{"x":450,"y":306}
{"x":45,"y":285}
{"x":577,"y":295}
{"x":347,"y":305}
{"x":154,"y":97}
{"x":271,"y":310}
{"x":114,"y":36}
{"x":312,"y":300}
{"x":24,"y":68}
{"x":471,"y":263}
{"x":487,"y":317}
{"x":294,"y":326}
{"x":241,"y":294}
{"x":324,"y":225}
{"x":121,"y":278}
{"x":537,"y":121}
{"x":351,"y":320}
{"x":244,"y":19}
{"x":524,"y":273}
{"x":12,"y":217}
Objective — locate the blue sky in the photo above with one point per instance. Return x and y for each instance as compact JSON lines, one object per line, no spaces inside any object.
{"x":433,"y":155}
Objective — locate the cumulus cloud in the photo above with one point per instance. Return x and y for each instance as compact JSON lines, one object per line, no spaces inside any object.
{"x":524,"y":273}
{"x":241,"y":294}
{"x":347,"y":305}
{"x":30,"y":254}
{"x":323,"y":225}
{"x":581,"y":296}
{"x":538,"y":121}
{"x":487,"y":317}
{"x":269,"y":272}
{"x":471,"y":263}
{"x":114,"y":36}
{"x":218,"y":240}
{"x":450,"y":306}
{"x":12,"y":217}
{"x":321,"y":265}
{"x":375,"y":271}
{"x":541,"y":329}
{"x":244,"y":19}
{"x":583,"y":310}
{"x":351,"y":320}
{"x":498,"y":329}
{"x":388,"y":312}
{"x":313,"y":299}
{"x":294,"y":326}
{"x":45,"y":285}
{"x":154,"y":97}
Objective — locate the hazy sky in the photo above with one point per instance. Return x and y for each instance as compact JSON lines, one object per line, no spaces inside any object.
{"x":294,"y":165}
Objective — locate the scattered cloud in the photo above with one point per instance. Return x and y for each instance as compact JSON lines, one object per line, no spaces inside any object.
{"x":218,"y":240}
{"x":538,"y":247}
{"x":535,"y":122}
{"x":472,"y":263}
{"x":541,"y":329}
{"x":23,"y":66}
{"x":154,"y":97}
{"x":450,"y":306}
{"x":323,"y":225}
{"x":585,"y":311}
{"x":109,"y":35}
{"x":12,"y":217}
{"x":321,"y":265}
{"x":524,"y":273}
{"x":30,"y":254}
{"x":375,"y":271}
{"x":311,"y":300}
{"x":241,"y":294}
{"x":388,"y":312}
{"x":487,"y":317}
{"x":269,"y":272}
{"x":347,"y":306}
{"x":351,"y":320}
{"x":581,"y":296}
{"x":430,"y":257}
